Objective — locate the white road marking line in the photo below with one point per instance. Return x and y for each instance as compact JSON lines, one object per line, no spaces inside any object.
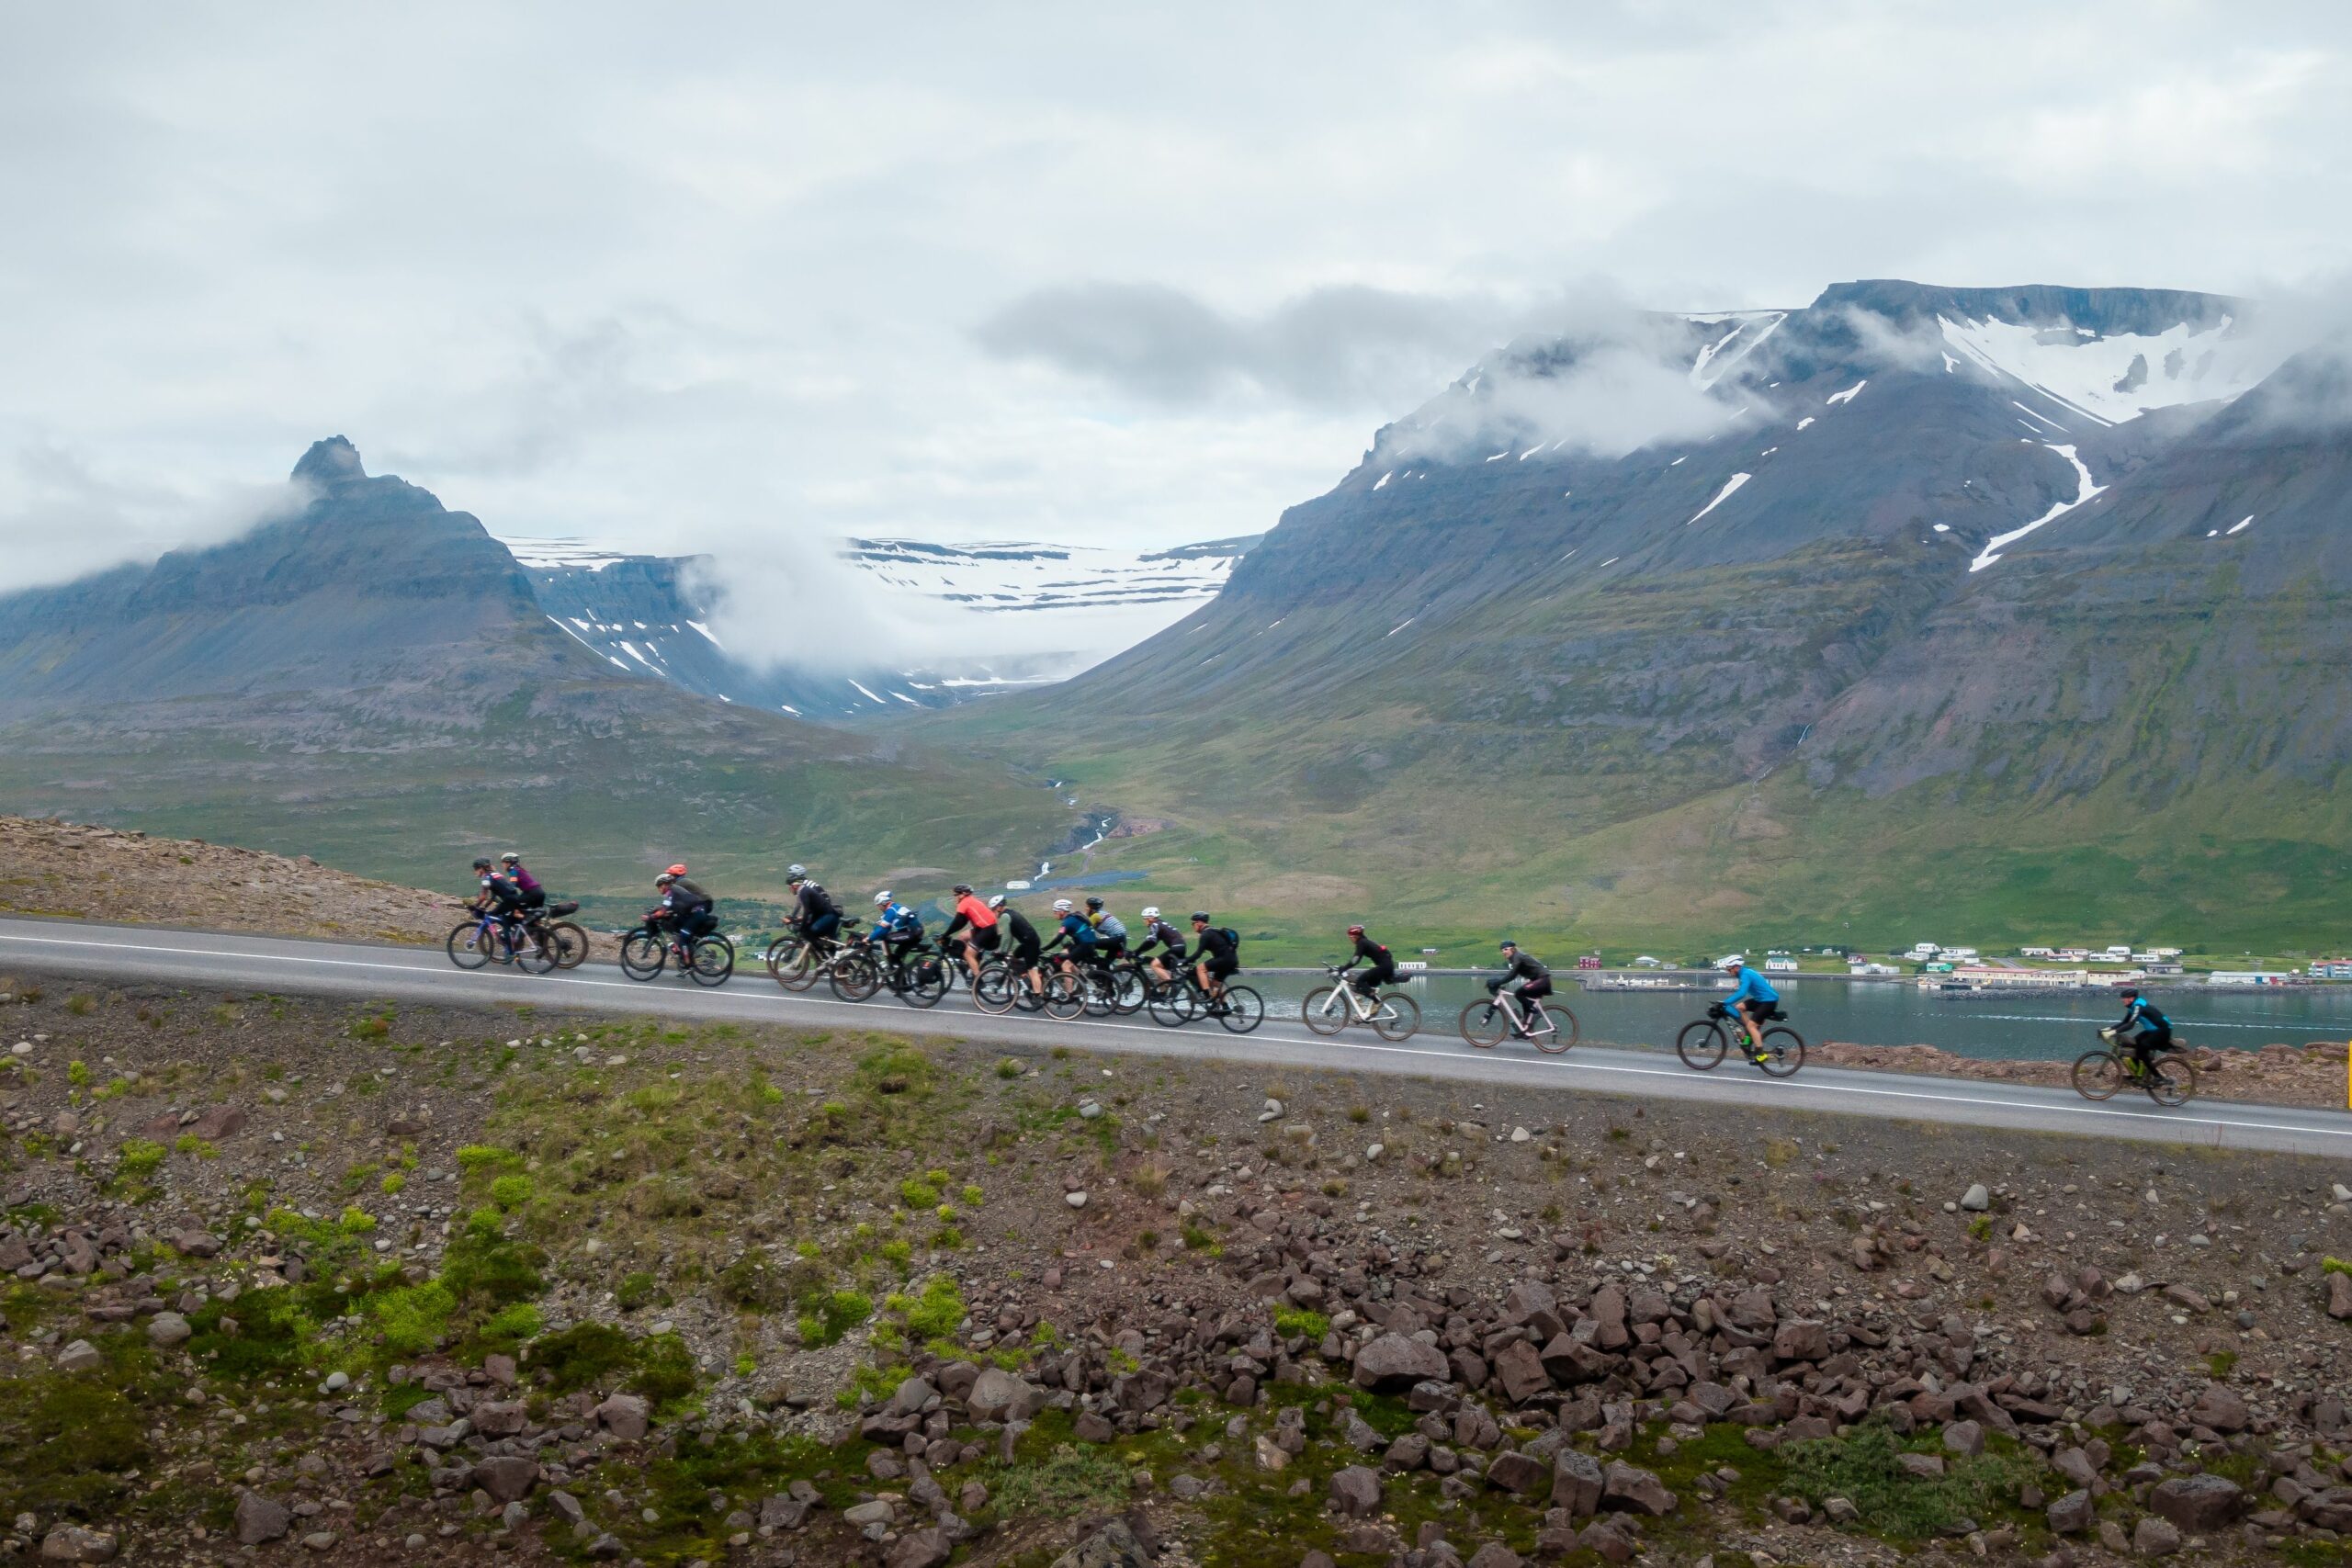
{"x":1815,"y":1087}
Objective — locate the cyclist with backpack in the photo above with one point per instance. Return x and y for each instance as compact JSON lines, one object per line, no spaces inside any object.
{"x":2142,"y":1028}
{"x":686,"y":909}
{"x":982,"y":920}
{"x":1109,"y":931}
{"x":814,"y":914}
{"x":1217,"y":958}
{"x":897,"y":928}
{"x":534,"y":897}
{"x":1383,"y":970}
{"x":1027,"y":956}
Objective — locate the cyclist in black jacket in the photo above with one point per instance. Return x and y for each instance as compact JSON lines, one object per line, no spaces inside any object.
{"x":1027,"y":957}
{"x":1170,"y":961}
{"x":1383,"y":970}
{"x":814,"y":913}
{"x":1217,"y":958}
{"x":1534,"y":980}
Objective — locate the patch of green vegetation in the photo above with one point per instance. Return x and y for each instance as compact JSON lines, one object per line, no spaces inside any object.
{"x":665,"y":1373}
{"x":140,"y":1158}
{"x":189,"y":1143}
{"x":827,"y":1316}
{"x":76,"y":1440}
{"x":585,"y":1356}
{"x":636,"y":1290}
{"x":917,"y":1193}
{"x":1069,"y":1480}
{"x":2221,"y":1363}
{"x":1865,"y":1469}
{"x":2335,"y":1266}
{"x":77,"y":1073}
{"x":511,"y":1192}
{"x":1294,"y":1322}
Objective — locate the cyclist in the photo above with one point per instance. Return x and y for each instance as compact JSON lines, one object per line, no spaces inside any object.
{"x":1168,"y":962}
{"x":1534,"y":980}
{"x":1028,"y":952}
{"x":814,"y":914}
{"x":1077,"y":932}
{"x":1109,"y":931}
{"x":1383,"y":970}
{"x":983,"y":920}
{"x":686,"y":907}
{"x":534,"y":897}
{"x":2144,"y":1029}
{"x":1751,"y":1001}
{"x":1218,"y":957}
{"x":499,"y":897}
{"x":896,"y":927}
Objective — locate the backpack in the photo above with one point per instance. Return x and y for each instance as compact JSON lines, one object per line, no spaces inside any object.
{"x":1232,"y":936}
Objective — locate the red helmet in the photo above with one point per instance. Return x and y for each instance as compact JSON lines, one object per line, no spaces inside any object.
{"x":676,"y":870}
{"x":1355,"y":930}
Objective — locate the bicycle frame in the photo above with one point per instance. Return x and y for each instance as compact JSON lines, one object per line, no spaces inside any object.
{"x":1520,"y":1021}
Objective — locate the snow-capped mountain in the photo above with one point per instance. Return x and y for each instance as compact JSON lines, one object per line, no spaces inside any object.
{"x":1065,"y":607}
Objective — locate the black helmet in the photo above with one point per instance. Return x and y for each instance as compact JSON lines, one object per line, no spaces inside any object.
{"x":482,"y":863}
{"x":961,"y":888}
{"x":1202,"y":915}
{"x":1094,"y":903}
{"x":1511,"y":944}
{"x":2132,"y":991}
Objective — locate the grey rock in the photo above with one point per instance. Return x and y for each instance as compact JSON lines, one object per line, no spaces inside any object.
{"x":2198,"y":1502}
{"x":500,"y":1418}
{"x":259,"y":1519}
{"x":80,"y":1356}
{"x":625,"y":1416}
{"x":1977,"y":1199}
{"x":1516,"y":1474}
{"x":1634,"y":1490}
{"x":2153,"y":1537}
{"x":2222,"y":1409}
{"x":1355,"y":1492}
{"x":1577,"y":1482}
{"x":166,"y":1329}
{"x":72,"y":1543}
{"x":2072,"y":1514}
{"x":1964,"y":1438}
{"x":506,"y":1478}
{"x":920,"y":1549}
{"x":1113,"y":1546}
{"x":998,"y":1396}
{"x":1392,"y":1364}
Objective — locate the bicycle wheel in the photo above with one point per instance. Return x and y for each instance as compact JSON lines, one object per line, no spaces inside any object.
{"x":714,"y":959}
{"x":1484,"y":1024}
{"x":1065,"y":997}
{"x":1701,"y":1044}
{"x":1129,"y":990}
{"x":996,"y":989}
{"x":1325,"y":1011}
{"x":798,"y":967}
{"x":644,"y":954}
{"x":1244,"y":1009}
{"x":1171,"y":1004}
{"x":1565,"y":1030}
{"x":1399,"y":1017}
{"x":466,"y":950}
{"x":2172,"y":1080}
{"x":1783,"y":1053}
{"x":535,"y":950}
{"x":853,"y":977}
{"x":926,"y":980}
{"x":2099,"y":1074}
{"x":571,"y":944}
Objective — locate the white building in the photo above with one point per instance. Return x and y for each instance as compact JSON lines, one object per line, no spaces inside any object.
{"x":1780,"y":963}
{"x":2247,"y":977}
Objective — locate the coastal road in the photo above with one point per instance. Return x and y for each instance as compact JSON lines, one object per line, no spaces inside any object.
{"x":227,"y":962}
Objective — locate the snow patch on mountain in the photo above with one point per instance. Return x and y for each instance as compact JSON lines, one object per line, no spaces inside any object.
{"x":1731,"y":486}
{"x":2119,"y":376}
{"x":2086,"y":490}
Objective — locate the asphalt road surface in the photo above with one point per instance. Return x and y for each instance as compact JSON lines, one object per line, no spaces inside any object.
{"x":240,"y":963}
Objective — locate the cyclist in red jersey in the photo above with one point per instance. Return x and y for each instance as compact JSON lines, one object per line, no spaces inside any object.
{"x":970,"y":911}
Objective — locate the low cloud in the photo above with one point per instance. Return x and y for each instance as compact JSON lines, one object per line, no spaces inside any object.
{"x":61,"y":519}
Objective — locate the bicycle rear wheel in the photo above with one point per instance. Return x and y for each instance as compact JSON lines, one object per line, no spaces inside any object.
{"x":1129,"y":988}
{"x":1065,"y":997}
{"x":1701,"y":1045}
{"x":2172,"y":1080}
{"x":1102,"y":996}
{"x":1173,"y":1004}
{"x":998,"y":989}
{"x":644,"y":954}
{"x":926,"y":980}
{"x":468,"y":951}
{"x":1559,"y":1033}
{"x":1325,"y":1011}
{"x":2099,"y":1074}
{"x":1783,"y":1053}
{"x":853,"y":977}
{"x":1484,"y":1024}
{"x":713,"y":959}
{"x":1244,"y":1009}
{"x":571,"y":944}
{"x":1570,"y":1032}
{"x":1399,"y":1017}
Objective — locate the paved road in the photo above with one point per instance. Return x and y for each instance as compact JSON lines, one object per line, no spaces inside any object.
{"x":231,"y":962}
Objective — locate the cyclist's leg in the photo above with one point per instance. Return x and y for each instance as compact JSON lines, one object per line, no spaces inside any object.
{"x":1755,"y":1030}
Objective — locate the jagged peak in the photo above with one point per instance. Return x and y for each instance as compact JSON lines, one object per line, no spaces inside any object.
{"x":333,"y":461}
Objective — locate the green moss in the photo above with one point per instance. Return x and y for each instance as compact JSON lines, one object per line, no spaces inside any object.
{"x":140,"y":1158}
{"x":1865,"y":1469}
{"x":826,"y":1316}
{"x":635,"y":1290}
{"x":917,"y":1193}
{"x":588,"y":1355}
{"x":665,"y":1373}
{"x":75,"y":1444}
{"x":1291,"y":1323}
{"x":511,"y":1192}
{"x":412,"y":1320}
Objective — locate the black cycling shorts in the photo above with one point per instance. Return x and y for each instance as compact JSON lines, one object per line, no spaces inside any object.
{"x":536,"y":898}
{"x":1222,"y":968}
{"x":1758,"y":1009}
{"x":1534,"y":988}
{"x":1027,"y":955}
{"x":985,"y":938}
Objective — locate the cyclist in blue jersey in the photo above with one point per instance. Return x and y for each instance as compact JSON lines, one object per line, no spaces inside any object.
{"x":897,"y":928}
{"x":1751,"y":1001}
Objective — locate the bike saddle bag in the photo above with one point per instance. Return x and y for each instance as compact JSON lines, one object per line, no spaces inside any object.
{"x":569,"y":907}
{"x":1777,"y":1016}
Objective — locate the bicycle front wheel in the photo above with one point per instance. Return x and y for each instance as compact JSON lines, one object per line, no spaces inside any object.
{"x":853,"y":977}
{"x":468,"y":951}
{"x":1173,"y":1005}
{"x":797,"y":967}
{"x":535,"y":950}
{"x":1325,"y":1011}
{"x":1701,"y":1045}
{"x":569,"y":943}
{"x":1399,"y":1017}
{"x":714,"y":960}
{"x":2099,"y":1074}
{"x":1244,"y":1009}
{"x":1484,"y":1024}
{"x":1065,"y":997}
{"x":998,"y":989}
{"x":2172,"y":1080}
{"x":642,"y":956}
{"x":1783,"y":1053}
{"x":926,"y":980}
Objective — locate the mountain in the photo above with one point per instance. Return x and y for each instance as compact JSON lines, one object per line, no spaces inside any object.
{"x":1054,"y":609}
{"x":375,"y":682}
{"x":1925,"y":607}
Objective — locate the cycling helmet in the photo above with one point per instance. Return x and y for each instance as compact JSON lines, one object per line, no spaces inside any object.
{"x":882,"y":899}
{"x":961,"y":888}
{"x":1151,"y":911}
{"x":481,"y":864}
{"x":1202,"y":915}
{"x":796,"y":874}
{"x":1731,"y":961}
{"x":678,"y":870}
{"x":1355,"y":930}
{"x":1508,"y":945}
{"x":663,"y":880}
{"x":996,"y":902}
{"x":2132,"y":992}
{"x":509,"y":858}
{"x":1094,"y":903}
{"x":1063,"y":906}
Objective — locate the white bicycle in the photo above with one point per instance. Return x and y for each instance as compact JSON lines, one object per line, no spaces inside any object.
{"x":1329,"y":1008}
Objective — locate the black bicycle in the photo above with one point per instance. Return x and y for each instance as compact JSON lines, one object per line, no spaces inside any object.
{"x":1702,"y":1044}
{"x":707,"y":959}
{"x":1177,"y":1003}
{"x":2169,"y":1078}
{"x":917,"y":976}
{"x":796,"y":961}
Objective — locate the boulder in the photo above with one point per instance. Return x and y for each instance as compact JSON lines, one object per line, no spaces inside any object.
{"x":2071,"y":1514}
{"x":1113,"y":1546}
{"x":1577,"y":1482}
{"x":1494,"y":1554}
{"x":2222,"y":1409}
{"x":260,"y":1519}
{"x":998,"y":1396}
{"x":2339,"y":1295}
{"x":80,"y":1356}
{"x":508,"y":1478}
{"x":2198,"y":1502}
{"x":1629,"y":1489}
{"x":166,"y":1329}
{"x":1392,"y":1364}
{"x":920,"y":1549}
{"x":501,"y":1417}
{"x":1355,"y":1492}
{"x":1800,"y":1339}
{"x":1964,"y":1438}
{"x":625,"y":1416}
{"x":910,"y":1396}
{"x":72,"y":1543}
{"x":2153,"y":1537}
{"x":1521,"y":1371}
{"x":1517,"y":1473}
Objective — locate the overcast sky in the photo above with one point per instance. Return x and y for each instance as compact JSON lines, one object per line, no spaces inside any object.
{"x":701,"y":275}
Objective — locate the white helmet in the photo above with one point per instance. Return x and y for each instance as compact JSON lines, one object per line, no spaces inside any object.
{"x":795,"y":873}
{"x":1731,"y":961}
{"x":1151,"y":911}
{"x":1063,"y":906}
{"x":997,"y":902}
{"x":882,"y":899}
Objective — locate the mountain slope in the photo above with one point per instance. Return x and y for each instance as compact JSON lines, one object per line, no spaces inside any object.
{"x":373,"y":680}
{"x":1935,"y":586}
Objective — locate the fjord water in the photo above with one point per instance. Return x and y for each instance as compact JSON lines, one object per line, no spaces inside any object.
{"x":1898,"y":1013}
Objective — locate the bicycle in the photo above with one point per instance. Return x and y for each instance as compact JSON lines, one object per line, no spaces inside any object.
{"x":486,"y":937}
{"x":1177,"y":1003}
{"x":1701,"y":1043}
{"x":1486,"y":1024}
{"x":707,"y":959}
{"x":1328,"y":1009}
{"x":797,"y":963}
{"x":919,"y":977}
{"x":567,"y":943}
{"x":2169,"y":1078}
{"x":1003,"y":987}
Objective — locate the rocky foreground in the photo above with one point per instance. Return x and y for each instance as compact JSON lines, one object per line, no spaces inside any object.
{"x":367,"y":1284}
